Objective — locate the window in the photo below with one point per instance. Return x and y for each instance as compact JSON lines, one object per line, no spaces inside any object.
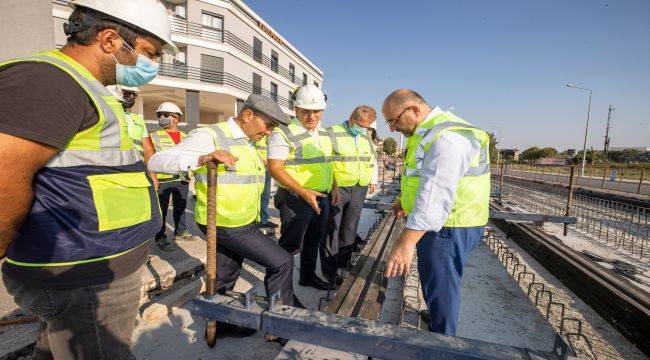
{"x":290,"y":97}
{"x":274,"y":92}
{"x":212,"y":26}
{"x":304,"y":79}
{"x":292,"y":72}
{"x":257,"y":49}
{"x":274,"y":61}
{"x":316,"y":84}
{"x":211,"y":69}
{"x":257,"y":84}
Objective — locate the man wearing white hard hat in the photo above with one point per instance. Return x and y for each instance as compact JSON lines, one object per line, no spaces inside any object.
{"x":78,"y":207}
{"x":136,"y":127}
{"x":299,"y":160}
{"x":174,"y":187}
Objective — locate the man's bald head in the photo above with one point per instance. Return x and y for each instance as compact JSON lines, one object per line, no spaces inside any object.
{"x":403,"y":98}
{"x":404,"y":110}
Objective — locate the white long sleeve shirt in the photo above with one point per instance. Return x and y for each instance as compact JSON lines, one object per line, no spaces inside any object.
{"x":185,"y":155}
{"x":278,"y":148}
{"x":447,"y":160}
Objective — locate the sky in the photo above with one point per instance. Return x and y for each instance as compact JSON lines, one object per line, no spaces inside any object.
{"x":500,"y":64}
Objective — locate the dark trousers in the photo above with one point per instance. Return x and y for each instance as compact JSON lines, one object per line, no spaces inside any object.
{"x":264,"y":200}
{"x":441,"y":257}
{"x":343,"y":223}
{"x":93,"y":322}
{"x":302,"y":230}
{"x":235,"y":244}
{"x":177,"y":191}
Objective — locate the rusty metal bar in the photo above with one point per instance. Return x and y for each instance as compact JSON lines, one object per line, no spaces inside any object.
{"x":638,"y":190}
{"x":211,"y":262}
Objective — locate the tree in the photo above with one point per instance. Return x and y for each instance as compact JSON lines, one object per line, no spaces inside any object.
{"x":547,"y":152}
{"x":390,"y":146}
{"x":531,"y":154}
{"x":494,"y":152}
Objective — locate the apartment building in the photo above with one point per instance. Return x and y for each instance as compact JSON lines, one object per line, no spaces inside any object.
{"x":227,"y":51}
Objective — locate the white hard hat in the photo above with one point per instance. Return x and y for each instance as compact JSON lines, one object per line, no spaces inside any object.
{"x":169,"y":107}
{"x":310,"y":97}
{"x":117,"y":90}
{"x":148,"y":15}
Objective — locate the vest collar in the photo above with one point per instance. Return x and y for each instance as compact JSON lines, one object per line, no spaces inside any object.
{"x":435,"y":113}
{"x":237,"y":132}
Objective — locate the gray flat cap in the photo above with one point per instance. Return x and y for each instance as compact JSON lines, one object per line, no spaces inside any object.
{"x":267,"y":107}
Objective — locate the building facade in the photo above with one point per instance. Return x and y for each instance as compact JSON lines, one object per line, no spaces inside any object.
{"x":227,"y":52}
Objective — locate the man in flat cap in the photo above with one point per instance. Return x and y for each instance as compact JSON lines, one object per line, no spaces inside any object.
{"x":240,"y":172}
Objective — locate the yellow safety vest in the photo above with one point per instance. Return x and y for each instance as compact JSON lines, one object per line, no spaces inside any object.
{"x":261,"y":147}
{"x":354,"y":157}
{"x":93,"y":200}
{"x":136,"y":127}
{"x":471,"y":203}
{"x":309,"y":162}
{"x":239,"y":187}
{"x":162,"y":141}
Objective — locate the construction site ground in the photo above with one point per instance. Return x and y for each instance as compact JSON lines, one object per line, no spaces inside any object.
{"x":493,"y":309}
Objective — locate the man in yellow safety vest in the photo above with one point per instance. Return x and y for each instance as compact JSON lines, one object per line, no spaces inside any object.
{"x":445,"y":192}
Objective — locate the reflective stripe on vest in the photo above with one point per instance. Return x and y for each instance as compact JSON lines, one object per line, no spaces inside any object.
{"x":353,"y":158}
{"x":80,"y":212}
{"x":136,"y":128}
{"x":239,"y":187}
{"x":308,"y":162}
{"x":470,"y":207}
{"x":162,"y":141}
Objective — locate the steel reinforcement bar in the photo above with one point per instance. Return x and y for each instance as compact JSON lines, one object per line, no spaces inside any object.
{"x":623,"y":305}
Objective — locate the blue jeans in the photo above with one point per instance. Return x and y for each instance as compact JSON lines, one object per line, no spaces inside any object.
{"x":441,"y":257}
{"x":266,"y":196}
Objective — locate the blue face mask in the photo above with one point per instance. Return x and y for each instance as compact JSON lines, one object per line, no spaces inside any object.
{"x":357,"y":130}
{"x":136,"y":75}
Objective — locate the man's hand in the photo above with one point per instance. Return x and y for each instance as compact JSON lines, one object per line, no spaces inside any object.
{"x":311,"y":198}
{"x":372,"y":188}
{"x":397,"y":209}
{"x":335,"y":195}
{"x":219,"y":157}
{"x":399,"y":260}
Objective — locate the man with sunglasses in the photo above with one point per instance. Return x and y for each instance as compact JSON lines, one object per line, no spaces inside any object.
{"x":174,"y":187}
{"x":240,"y":183}
{"x":445,"y":189}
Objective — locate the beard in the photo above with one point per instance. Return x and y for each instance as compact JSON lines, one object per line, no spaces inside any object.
{"x":107,"y":65}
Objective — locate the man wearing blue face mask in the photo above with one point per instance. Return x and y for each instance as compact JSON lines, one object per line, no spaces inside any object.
{"x":78,"y":207}
{"x":355,"y":171}
{"x":174,"y":187}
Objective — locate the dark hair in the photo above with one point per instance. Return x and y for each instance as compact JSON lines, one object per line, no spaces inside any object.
{"x":84,"y":25}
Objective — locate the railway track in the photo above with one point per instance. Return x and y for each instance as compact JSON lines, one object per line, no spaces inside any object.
{"x":617,"y":300}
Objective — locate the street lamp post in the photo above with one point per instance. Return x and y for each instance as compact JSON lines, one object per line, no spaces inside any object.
{"x":584,"y":145}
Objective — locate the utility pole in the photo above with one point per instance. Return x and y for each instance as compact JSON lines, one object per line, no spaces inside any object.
{"x":609,"y":119}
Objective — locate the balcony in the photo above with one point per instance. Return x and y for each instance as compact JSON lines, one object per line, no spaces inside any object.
{"x":182,"y":71}
{"x":183,"y":27}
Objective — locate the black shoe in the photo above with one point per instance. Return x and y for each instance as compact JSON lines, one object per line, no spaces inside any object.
{"x":276,"y":339}
{"x":234,"y":331}
{"x":163,"y":244}
{"x":316,"y":283}
{"x":297,"y":303}
{"x":269,"y":224}
{"x":336,"y":281}
{"x":424,"y":315}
